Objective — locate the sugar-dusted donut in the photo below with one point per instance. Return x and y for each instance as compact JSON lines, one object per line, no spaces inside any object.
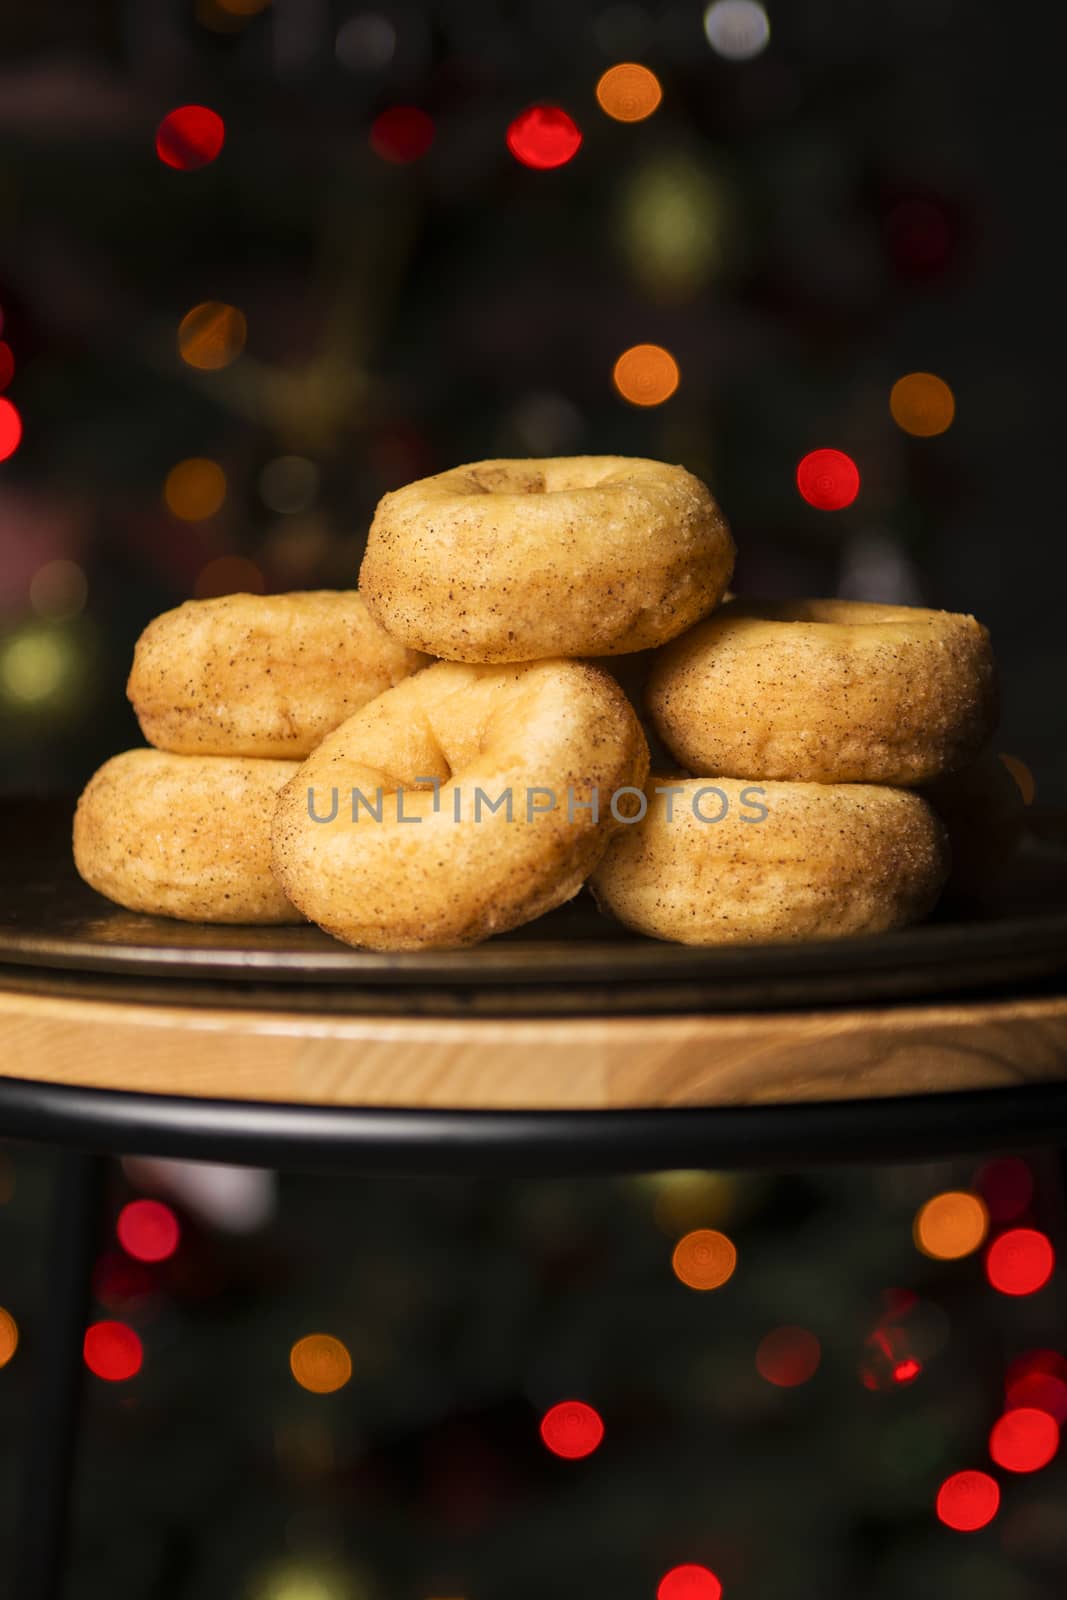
{"x":826,"y":691}
{"x":184,"y":836}
{"x":566,"y":556}
{"x":464,"y":802}
{"x":260,"y":675}
{"x":737,"y":860}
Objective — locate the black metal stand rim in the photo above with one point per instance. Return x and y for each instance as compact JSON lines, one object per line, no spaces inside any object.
{"x":533,"y":1142}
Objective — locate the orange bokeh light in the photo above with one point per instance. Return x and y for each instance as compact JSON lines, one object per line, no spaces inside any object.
{"x":951,"y":1225}
{"x":212,"y":335}
{"x":195,"y":489}
{"x":9,"y":1336}
{"x":704,"y":1259}
{"x":646,"y":375}
{"x":320,"y":1363}
{"x":922,"y":404}
{"x":629,"y":92}
{"x":788,"y":1357}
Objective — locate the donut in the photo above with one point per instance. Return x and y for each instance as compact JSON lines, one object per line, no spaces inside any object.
{"x":738,"y":861}
{"x":505,"y":561}
{"x":826,"y":691}
{"x":260,"y":675}
{"x":183,"y":836}
{"x":381,"y":837}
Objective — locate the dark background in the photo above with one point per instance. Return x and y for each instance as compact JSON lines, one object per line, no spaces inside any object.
{"x":872,"y":195}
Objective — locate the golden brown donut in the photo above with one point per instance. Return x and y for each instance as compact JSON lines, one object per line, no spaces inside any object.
{"x":566,"y":556}
{"x":260,"y":675}
{"x":184,"y":836}
{"x":826,"y":691}
{"x":434,"y":866}
{"x":783,"y":861}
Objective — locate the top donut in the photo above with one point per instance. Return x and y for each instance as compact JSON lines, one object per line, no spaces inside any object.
{"x":514,"y":560}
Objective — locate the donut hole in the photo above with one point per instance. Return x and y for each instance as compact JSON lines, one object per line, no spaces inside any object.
{"x":510,"y":478}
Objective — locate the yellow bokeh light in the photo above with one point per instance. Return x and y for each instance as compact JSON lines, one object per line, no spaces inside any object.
{"x":212,"y":335}
{"x":229,"y":575}
{"x":704,"y":1259}
{"x":59,"y":590}
{"x":1023,"y":777}
{"x":36,"y":665}
{"x":320,"y":1363}
{"x":195,"y":489}
{"x":9,"y":1336}
{"x":688,"y":1200}
{"x":922,"y":404}
{"x":629,"y":92}
{"x":951,"y":1225}
{"x":646,"y":375}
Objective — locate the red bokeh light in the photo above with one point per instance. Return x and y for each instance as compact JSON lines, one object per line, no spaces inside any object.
{"x":967,"y":1501}
{"x":190,"y":137}
{"x":788,"y":1356}
{"x":112,"y":1351}
{"x":121,"y":1284}
{"x":1024,"y":1439}
{"x":572,"y":1429}
{"x":10,"y":429}
{"x":543,"y":137}
{"x":907,"y":1371}
{"x":148,"y":1230}
{"x":828,"y":479}
{"x":1038,"y":1379}
{"x":1007,"y":1187}
{"x":7,"y":363}
{"x":401,"y":134}
{"x":1020,"y":1261}
{"x":689,"y":1583}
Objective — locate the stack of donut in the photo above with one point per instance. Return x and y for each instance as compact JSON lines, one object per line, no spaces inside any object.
{"x":310,"y":760}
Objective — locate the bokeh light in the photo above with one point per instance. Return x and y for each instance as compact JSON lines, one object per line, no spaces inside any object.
{"x":229,"y":575}
{"x":788,"y":1356}
{"x":123,"y":1285}
{"x":148,"y":1230}
{"x":366,"y":42}
{"x":686,"y":1200}
{"x":829,"y":480}
{"x":7,"y":363}
{"x":113,"y":1351}
{"x":190,"y":137}
{"x":1038,"y":1379}
{"x":737,"y":29}
{"x":1023,"y":777}
{"x":38,"y":664}
{"x":646,"y":375}
{"x":59,"y":590}
{"x":676,"y":224}
{"x":1020,"y":1261}
{"x":10,"y":428}
{"x":544,"y":137}
{"x":629,"y":92}
{"x":689,"y":1583}
{"x":1006,"y":1184}
{"x":195,"y":489}
{"x":212,"y":335}
{"x":922,"y":404}
{"x":401,"y":134}
{"x":1024,"y":1439}
{"x":9,"y":1336}
{"x":967,"y":1501}
{"x":572,"y":1429}
{"x":704,"y":1259}
{"x":289,"y":484}
{"x":320,"y":1363}
{"x":951,"y":1225}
